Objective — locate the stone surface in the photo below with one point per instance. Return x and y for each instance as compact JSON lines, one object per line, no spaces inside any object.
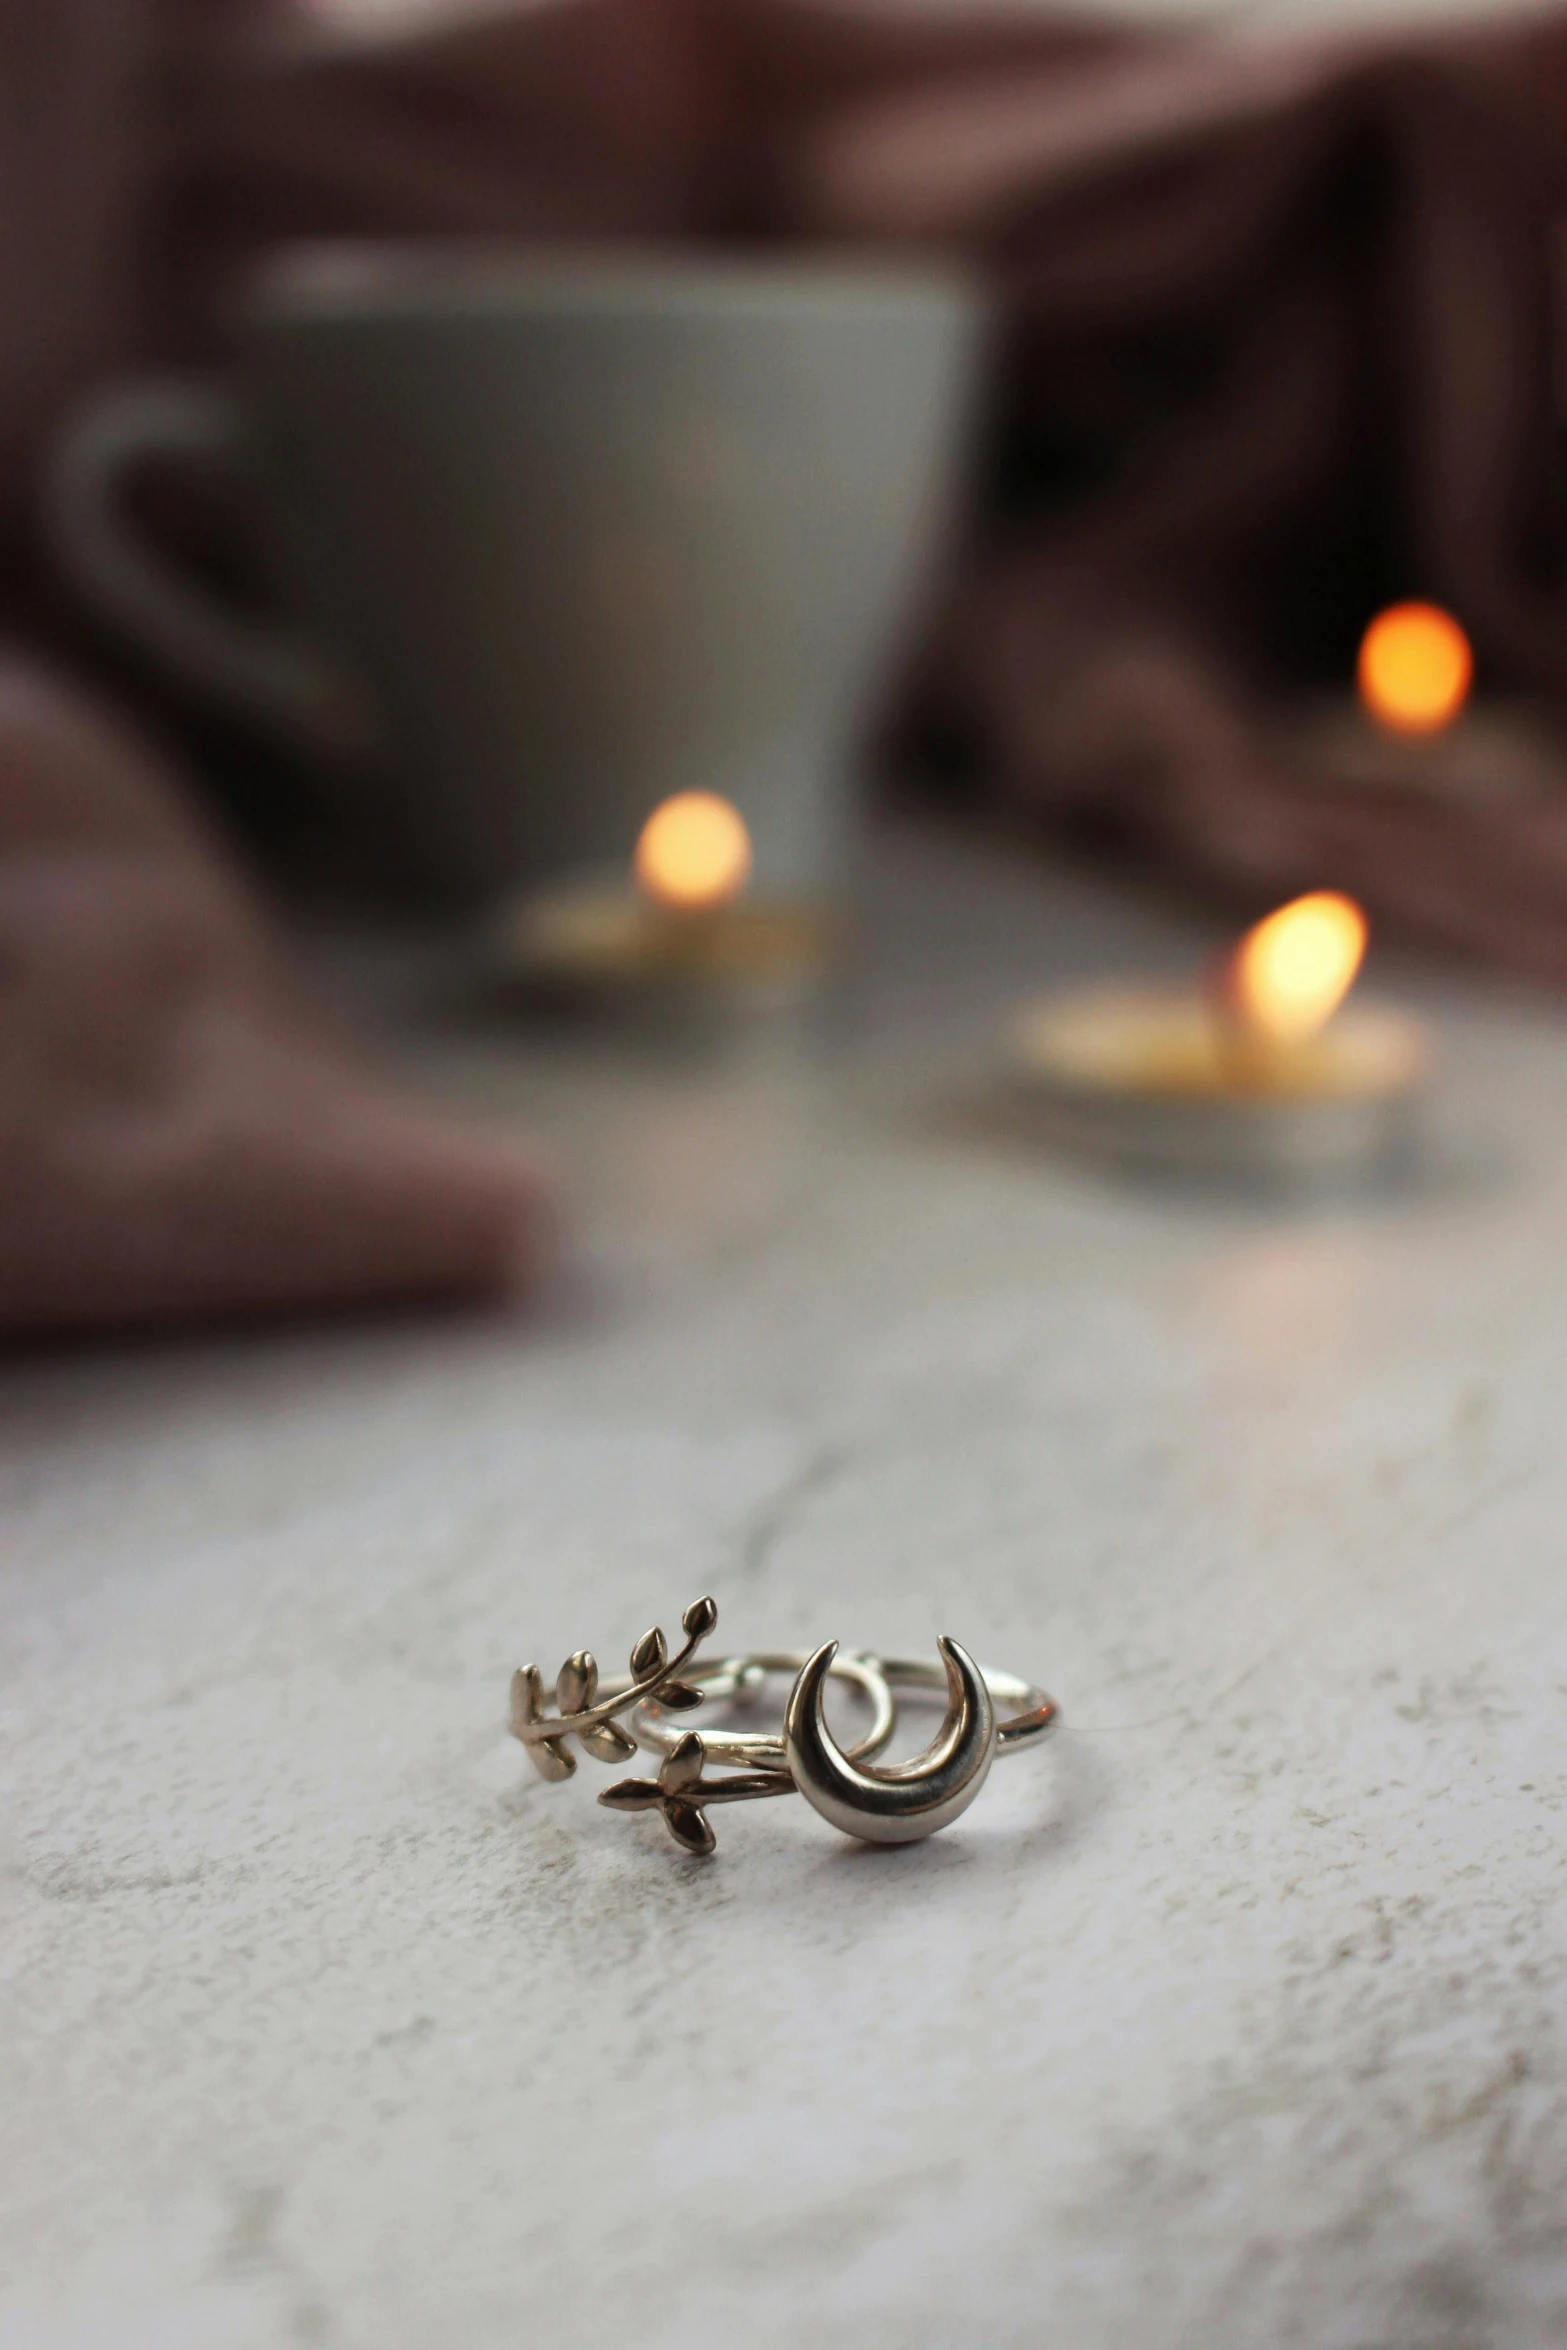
{"x":1235,"y":2018}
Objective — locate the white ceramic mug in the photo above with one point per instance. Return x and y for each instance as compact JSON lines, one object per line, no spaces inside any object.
{"x":583,"y":531}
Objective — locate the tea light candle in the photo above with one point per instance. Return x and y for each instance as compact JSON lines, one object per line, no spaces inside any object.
{"x":1415,"y":670}
{"x":683,"y":924}
{"x":1255,"y":1073}
{"x":1416,"y":730}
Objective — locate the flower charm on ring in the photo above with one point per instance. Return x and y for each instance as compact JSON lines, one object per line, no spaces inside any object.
{"x":879,"y":1803}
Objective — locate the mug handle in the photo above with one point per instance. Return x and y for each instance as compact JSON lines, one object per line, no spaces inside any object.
{"x":261,"y":673}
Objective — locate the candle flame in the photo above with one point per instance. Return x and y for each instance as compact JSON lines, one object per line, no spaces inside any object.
{"x":1291,"y":973}
{"x":1415,"y":669}
{"x":694,"y":852}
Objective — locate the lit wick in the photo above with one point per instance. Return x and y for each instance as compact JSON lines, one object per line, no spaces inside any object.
{"x":1282,"y":984}
{"x":693,"y":854}
{"x":1415,"y":669}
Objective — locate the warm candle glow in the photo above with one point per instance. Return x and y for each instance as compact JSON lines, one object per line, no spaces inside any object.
{"x":694,"y":852}
{"x":1415,"y":669}
{"x":1293,"y":971}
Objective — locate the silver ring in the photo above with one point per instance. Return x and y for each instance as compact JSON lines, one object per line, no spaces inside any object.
{"x":892,"y":1803}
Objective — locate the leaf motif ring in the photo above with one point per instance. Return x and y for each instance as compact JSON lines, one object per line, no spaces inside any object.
{"x":880,"y":1803}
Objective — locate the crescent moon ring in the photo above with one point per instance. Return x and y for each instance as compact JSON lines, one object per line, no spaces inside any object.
{"x":900,"y":1802}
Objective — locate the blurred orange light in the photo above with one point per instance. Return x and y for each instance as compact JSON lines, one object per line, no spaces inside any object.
{"x":1415,"y":669}
{"x":1295,"y":968}
{"x":694,"y":852}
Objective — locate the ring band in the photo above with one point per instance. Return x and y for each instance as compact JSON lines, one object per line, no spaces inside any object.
{"x":1031,"y":1726}
{"x":748,"y":1749}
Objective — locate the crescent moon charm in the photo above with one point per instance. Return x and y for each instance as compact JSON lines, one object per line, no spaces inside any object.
{"x":900,"y":1802}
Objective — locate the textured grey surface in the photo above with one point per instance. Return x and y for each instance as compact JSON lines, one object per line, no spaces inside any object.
{"x":1236,"y":2018}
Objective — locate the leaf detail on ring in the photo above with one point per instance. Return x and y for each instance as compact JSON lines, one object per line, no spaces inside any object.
{"x":551,"y":1758}
{"x":609,"y":1743}
{"x":683,"y":1764}
{"x":632,"y":1795}
{"x":700,"y":1618}
{"x":679,"y":1696}
{"x":527,"y":1698}
{"x":688,"y":1827}
{"x":649,"y":1654}
{"x":579,"y":1677}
